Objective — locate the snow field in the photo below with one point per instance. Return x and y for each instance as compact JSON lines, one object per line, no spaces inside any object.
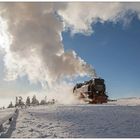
{"x":78,"y":121}
{"x":117,"y":119}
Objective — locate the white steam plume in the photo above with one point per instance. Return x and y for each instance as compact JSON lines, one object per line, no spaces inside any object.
{"x":36,"y":47}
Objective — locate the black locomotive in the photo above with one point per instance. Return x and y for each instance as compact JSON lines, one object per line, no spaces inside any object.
{"x":93,"y":91}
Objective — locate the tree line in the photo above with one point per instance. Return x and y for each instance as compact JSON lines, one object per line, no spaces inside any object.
{"x":30,"y":102}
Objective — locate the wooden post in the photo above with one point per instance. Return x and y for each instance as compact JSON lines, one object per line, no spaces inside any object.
{"x":10,"y":119}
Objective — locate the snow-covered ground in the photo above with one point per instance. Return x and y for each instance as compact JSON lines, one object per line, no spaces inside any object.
{"x":78,"y":121}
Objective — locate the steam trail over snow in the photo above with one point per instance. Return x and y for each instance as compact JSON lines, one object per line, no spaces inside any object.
{"x":36,"y":47}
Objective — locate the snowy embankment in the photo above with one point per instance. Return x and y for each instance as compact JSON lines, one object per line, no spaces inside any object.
{"x":78,"y":121}
{"x":5,"y":114}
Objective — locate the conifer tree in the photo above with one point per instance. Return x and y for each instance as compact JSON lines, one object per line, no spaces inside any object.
{"x":35,"y":101}
{"x":10,"y":105}
{"x":28,"y":102}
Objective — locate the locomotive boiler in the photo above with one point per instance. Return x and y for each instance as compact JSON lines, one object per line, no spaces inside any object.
{"x":92,"y":91}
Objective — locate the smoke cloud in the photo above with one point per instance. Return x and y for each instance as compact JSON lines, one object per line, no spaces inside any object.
{"x":35,"y":44}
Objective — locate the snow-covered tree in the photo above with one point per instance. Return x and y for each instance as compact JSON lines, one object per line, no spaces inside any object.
{"x":35,"y":101}
{"x":19,"y":102}
{"x":10,"y":105}
{"x":45,"y":98}
{"x":28,"y":102}
{"x":43,"y":102}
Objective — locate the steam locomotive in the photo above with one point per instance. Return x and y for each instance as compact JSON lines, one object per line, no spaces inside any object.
{"x":92,"y":91}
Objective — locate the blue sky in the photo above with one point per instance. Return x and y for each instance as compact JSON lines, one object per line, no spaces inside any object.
{"x":114,"y":51}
